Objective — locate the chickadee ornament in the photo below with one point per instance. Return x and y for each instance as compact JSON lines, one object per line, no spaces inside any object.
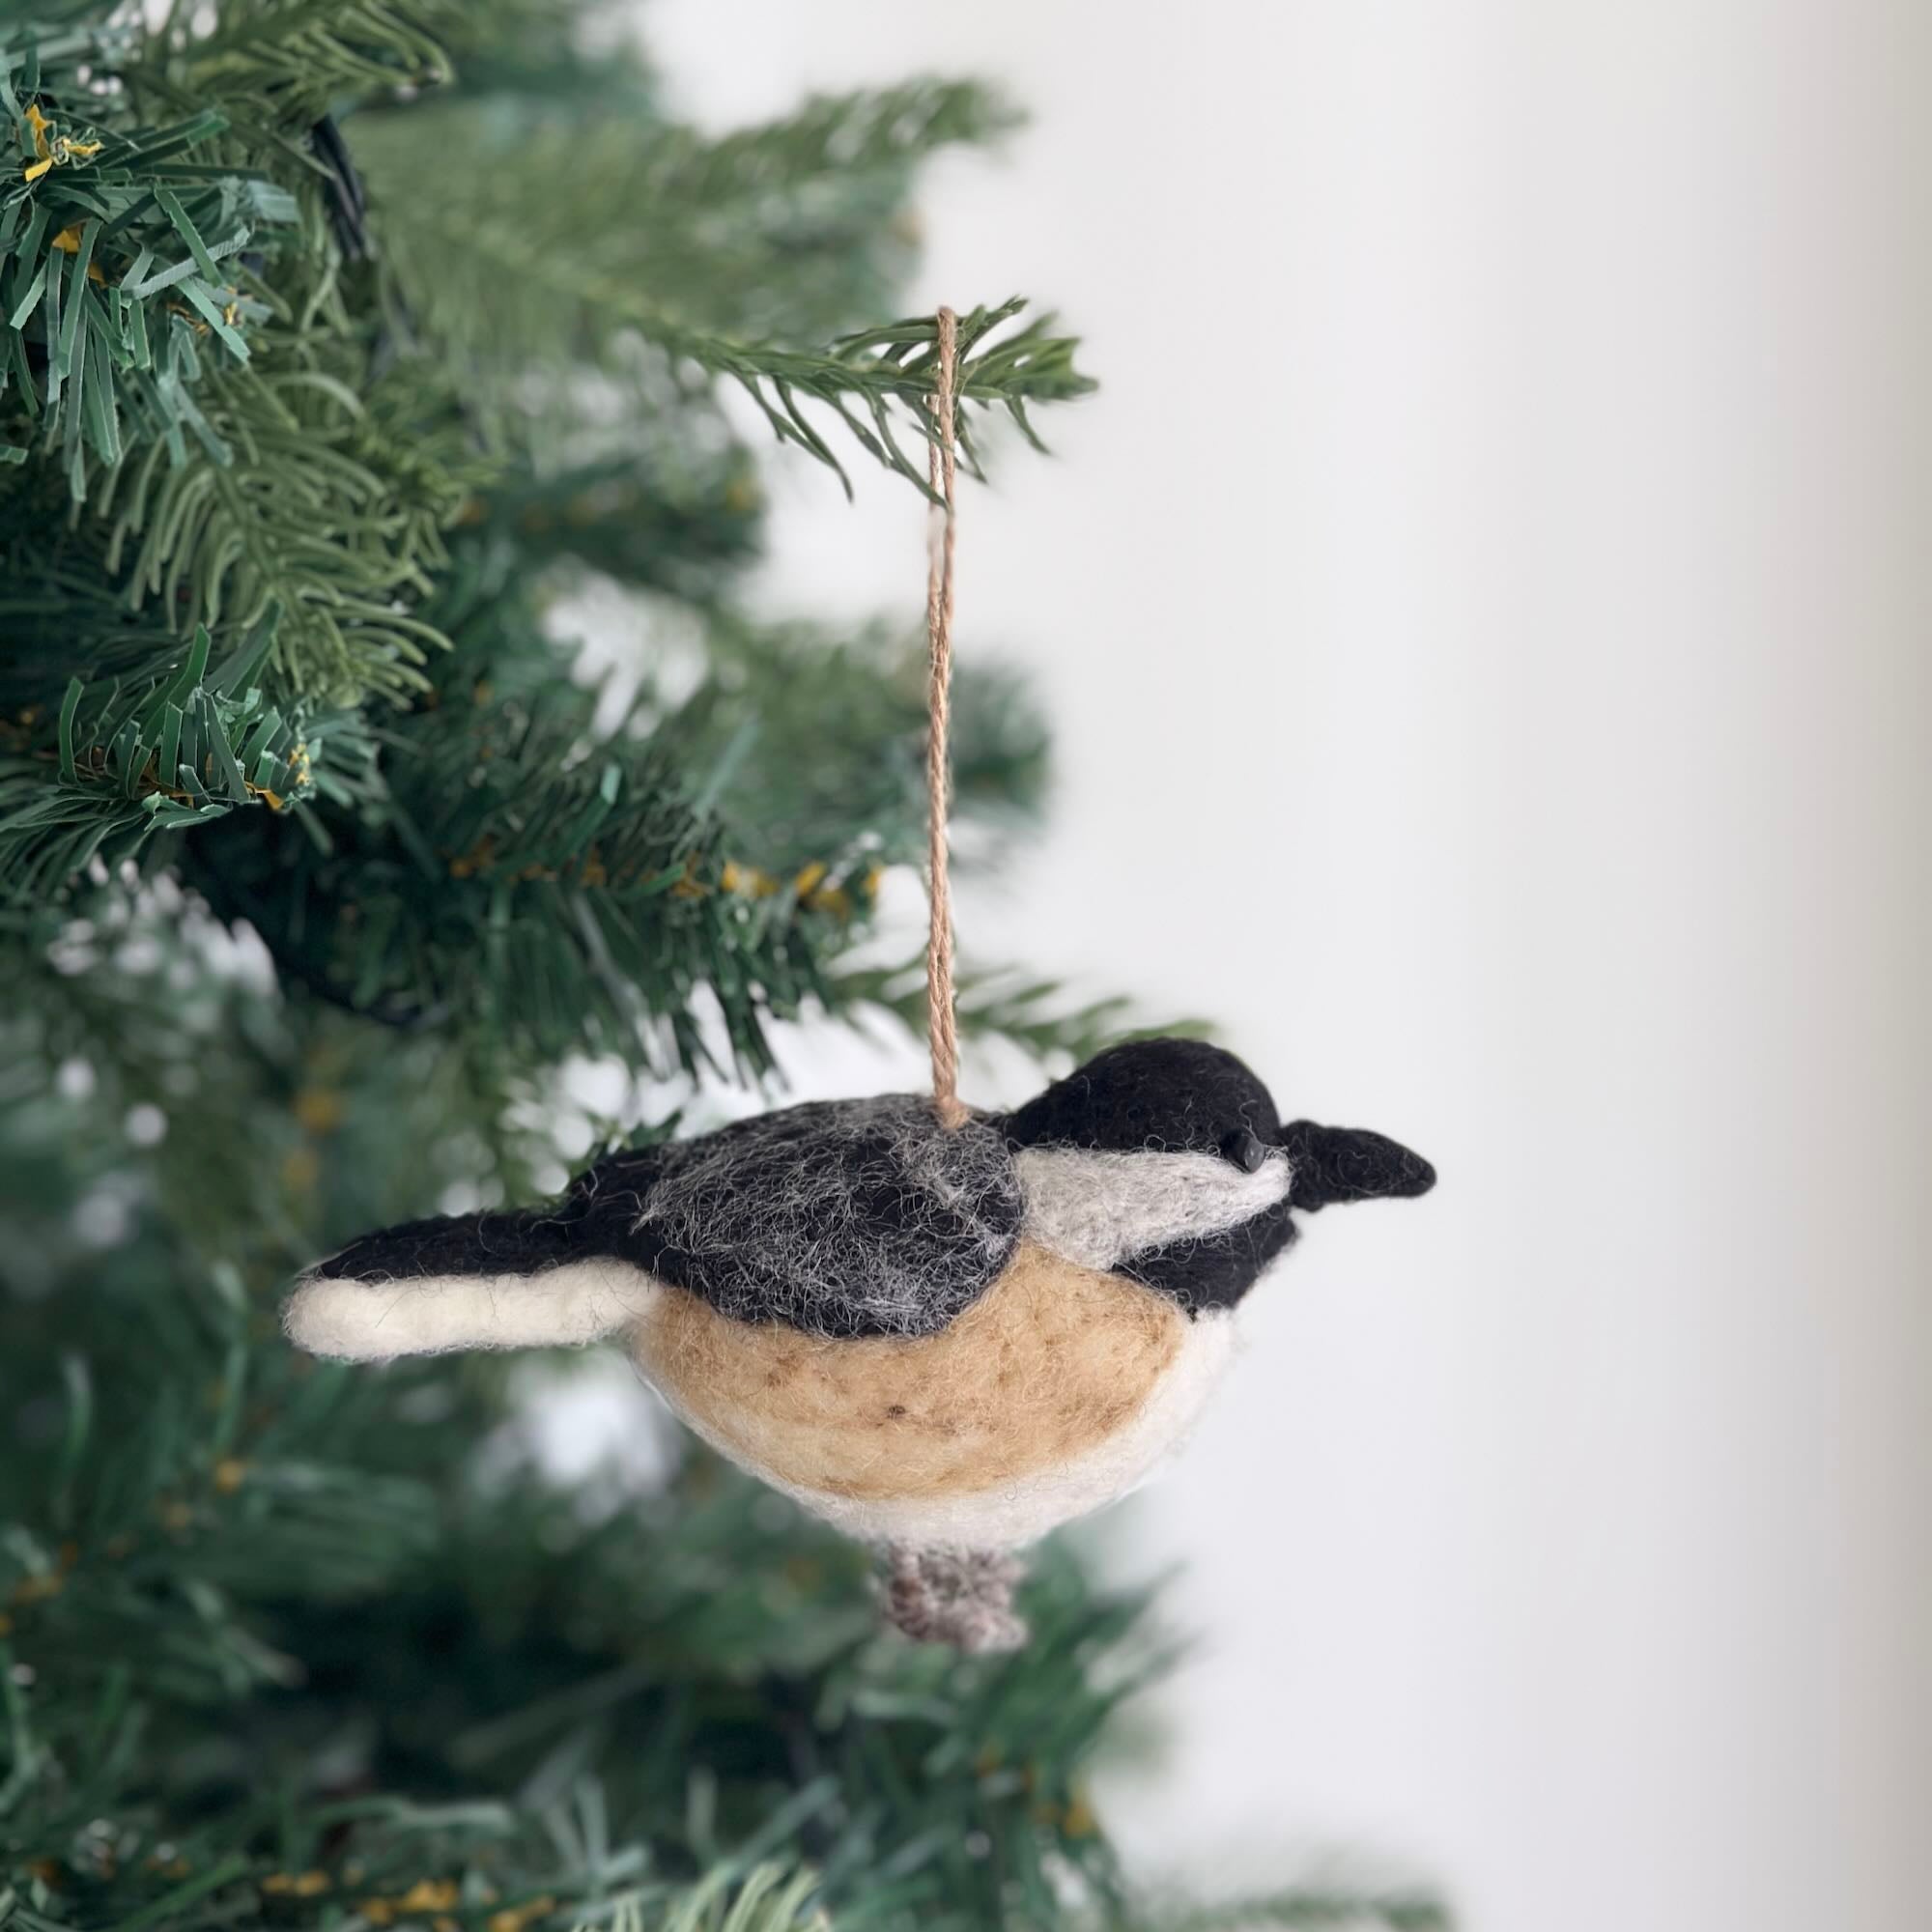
{"x":945,"y":1331}
{"x":947,"y":1341}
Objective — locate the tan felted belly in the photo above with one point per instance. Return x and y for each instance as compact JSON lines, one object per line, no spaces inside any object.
{"x":1050,"y":1361}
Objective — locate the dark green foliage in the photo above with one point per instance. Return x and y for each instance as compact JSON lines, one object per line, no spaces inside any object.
{"x":121,"y":240}
{"x":823,"y":731}
{"x":482,"y":876}
{"x":316,"y":857}
{"x":795,"y":230}
{"x":679,"y":522}
{"x":130,"y":764}
{"x":352,"y":425}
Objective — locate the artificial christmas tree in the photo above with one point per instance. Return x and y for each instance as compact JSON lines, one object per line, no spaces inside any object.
{"x":340,"y":341}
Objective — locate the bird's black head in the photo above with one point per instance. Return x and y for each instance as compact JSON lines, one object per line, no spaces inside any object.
{"x":1184,"y":1096}
{"x":1158,"y":1095}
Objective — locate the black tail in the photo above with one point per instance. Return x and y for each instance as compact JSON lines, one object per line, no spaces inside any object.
{"x":460,"y":1244}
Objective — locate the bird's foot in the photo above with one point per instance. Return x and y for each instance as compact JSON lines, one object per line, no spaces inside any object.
{"x":961,"y":1597}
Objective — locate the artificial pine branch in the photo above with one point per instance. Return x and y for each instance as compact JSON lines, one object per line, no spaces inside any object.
{"x":827,"y":739}
{"x":119,"y":249}
{"x":306,"y":492}
{"x":792,"y":231}
{"x":682,"y":520}
{"x":558,"y":890}
{"x":135,"y":761}
{"x":693,"y":249}
{"x":299,"y":57}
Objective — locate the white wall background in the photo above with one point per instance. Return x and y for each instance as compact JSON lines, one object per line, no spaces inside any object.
{"x":1487,"y":624}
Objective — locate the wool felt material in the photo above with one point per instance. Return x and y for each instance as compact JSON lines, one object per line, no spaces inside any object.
{"x":943,"y":1339}
{"x":1054,"y":1392}
{"x":961,"y":1597}
{"x":1052,"y":1359}
{"x":839,"y":1217}
{"x":382,"y":1317}
{"x":1159,"y":1095}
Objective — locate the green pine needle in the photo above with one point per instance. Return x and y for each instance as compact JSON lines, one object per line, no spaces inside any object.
{"x":128,"y":761}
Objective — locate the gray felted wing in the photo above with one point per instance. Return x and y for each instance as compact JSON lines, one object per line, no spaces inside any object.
{"x":837,"y":1217}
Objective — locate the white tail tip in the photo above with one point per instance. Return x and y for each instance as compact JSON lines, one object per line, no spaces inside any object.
{"x":378,"y":1321}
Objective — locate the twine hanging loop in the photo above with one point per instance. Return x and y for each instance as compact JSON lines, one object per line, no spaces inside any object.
{"x":941,"y":1017}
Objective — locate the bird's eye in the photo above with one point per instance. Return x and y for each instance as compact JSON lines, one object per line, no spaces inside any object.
{"x":1246,"y":1150}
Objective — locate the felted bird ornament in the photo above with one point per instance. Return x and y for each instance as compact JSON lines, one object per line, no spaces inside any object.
{"x":944,"y":1340}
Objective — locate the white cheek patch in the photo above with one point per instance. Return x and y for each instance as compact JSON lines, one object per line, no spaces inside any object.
{"x":1099,"y":1209}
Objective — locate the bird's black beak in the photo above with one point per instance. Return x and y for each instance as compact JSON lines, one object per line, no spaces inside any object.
{"x":1350,"y":1164}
